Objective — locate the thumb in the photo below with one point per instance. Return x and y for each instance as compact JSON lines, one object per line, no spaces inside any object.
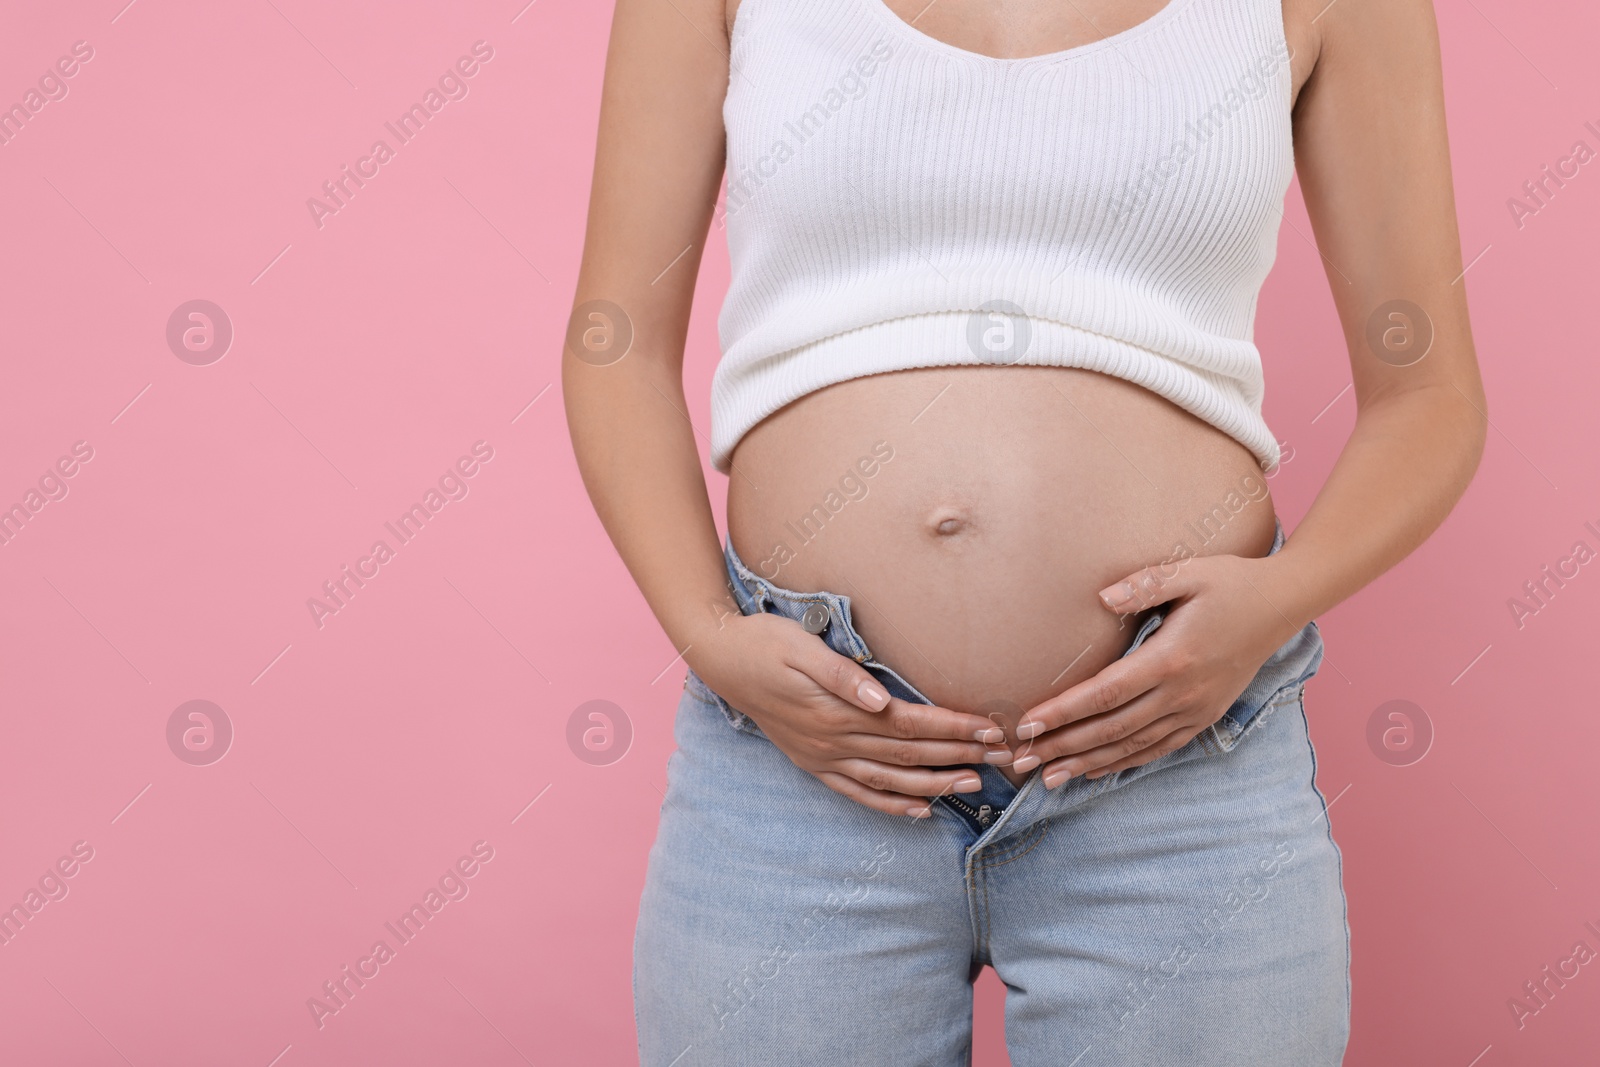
{"x":1148,"y":587}
{"x":841,"y":676}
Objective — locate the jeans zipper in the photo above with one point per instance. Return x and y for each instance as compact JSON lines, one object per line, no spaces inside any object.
{"x":984,"y":813}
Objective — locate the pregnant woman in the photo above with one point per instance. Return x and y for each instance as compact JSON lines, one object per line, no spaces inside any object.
{"x":1002,"y":662}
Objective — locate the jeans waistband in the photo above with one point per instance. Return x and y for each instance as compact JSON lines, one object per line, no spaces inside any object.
{"x":1278,"y":681}
{"x":756,"y":594}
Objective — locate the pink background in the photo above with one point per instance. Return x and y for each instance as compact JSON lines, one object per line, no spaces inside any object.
{"x":427,"y":714}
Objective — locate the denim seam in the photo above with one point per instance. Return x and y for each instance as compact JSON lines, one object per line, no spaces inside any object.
{"x":986,"y":955}
{"x":980,"y":935}
{"x":1338,"y":855}
{"x":1102,"y":784}
{"x":1039,"y":830}
{"x":705,"y":694}
{"x":856,"y":647}
{"x":982,"y":868}
{"x":1002,"y":847}
{"x":638,"y":1028}
{"x":768,"y":593}
{"x":1270,"y":704}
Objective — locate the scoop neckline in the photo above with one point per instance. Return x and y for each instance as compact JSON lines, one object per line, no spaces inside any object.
{"x":910,"y":32}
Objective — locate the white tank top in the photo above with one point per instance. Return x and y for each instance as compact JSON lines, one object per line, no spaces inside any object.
{"x":894,"y":201}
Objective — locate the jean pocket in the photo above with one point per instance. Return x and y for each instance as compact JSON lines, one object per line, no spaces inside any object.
{"x":1280,"y":682}
{"x":702,"y":693}
{"x":1240,"y":719}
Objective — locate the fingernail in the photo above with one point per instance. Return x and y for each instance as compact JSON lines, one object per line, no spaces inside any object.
{"x":1114,"y":596}
{"x":1000,"y":758}
{"x":1056,"y":777}
{"x":871,"y":694}
{"x":969,"y":784}
{"x":991,"y":736}
{"x":1030,"y":729}
{"x":1025,"y":764}
{"x":919,"y":813}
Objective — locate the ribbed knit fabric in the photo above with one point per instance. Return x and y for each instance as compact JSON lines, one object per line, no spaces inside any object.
{"x":1122,"y":199}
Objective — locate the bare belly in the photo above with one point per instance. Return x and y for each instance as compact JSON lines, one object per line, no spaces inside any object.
{"x":972,"y":514}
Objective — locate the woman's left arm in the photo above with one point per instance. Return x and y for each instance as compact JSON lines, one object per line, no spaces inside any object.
{"x":1373,"y":158}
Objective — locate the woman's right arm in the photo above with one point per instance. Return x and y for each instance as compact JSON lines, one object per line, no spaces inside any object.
{"x":658,"y":168}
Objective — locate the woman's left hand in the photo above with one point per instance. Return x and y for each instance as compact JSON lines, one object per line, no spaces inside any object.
{"x":1221,"y":628}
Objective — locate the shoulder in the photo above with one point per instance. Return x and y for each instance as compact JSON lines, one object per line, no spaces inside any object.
{"x":1363,"y":46}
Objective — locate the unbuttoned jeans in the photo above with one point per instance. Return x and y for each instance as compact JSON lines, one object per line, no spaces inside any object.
{"x":1188,"y":911}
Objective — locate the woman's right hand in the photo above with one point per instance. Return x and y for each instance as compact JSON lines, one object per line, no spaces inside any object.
{"x":832,"y":718}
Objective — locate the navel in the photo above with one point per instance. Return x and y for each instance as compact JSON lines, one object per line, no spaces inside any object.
{"x":946,"y":522}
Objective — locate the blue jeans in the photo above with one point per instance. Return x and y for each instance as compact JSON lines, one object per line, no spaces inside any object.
{"x":1188,"y":911}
